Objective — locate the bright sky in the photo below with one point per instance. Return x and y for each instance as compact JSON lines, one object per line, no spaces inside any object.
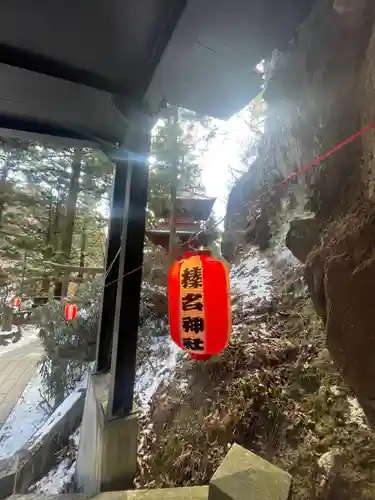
{"x":223,"y":152}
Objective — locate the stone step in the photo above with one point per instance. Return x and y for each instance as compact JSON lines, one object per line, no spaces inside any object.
{"x":189,"y":493}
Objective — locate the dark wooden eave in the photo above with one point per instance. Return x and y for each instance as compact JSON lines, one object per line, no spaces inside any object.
{"x":160,"y":237}
{"x":82,"y":70}
{"x":198,"y":208}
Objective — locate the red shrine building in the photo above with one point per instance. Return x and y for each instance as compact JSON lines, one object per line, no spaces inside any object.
{"x":192,"y":214}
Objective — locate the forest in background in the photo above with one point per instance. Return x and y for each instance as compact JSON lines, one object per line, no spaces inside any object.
{"x":54,"y":202}
{"x":54,"y":208}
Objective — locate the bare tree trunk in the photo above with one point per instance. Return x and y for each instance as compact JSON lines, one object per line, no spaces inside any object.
{"x":71,"y":205}
{"x":46,"y":282}
{"x":3,"y":180}
{"x":23,"y":273}
{"x":70,"y":215}
{"x":83,"y":250}
{"x":2,"y":189}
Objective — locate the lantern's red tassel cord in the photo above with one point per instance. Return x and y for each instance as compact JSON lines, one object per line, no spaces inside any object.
{"x":201,"y":357}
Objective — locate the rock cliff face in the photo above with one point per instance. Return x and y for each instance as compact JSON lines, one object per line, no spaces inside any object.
{"x":319,"y":93}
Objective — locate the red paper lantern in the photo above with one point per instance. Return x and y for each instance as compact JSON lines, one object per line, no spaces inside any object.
{"x":70,"y":312}
{"x":199,"y":304}
{"x":17,"y":302}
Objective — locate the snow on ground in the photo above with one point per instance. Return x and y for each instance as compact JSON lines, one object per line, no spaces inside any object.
{"x":356,"y":414}
{"x":28,"y":423}
{"x":4,"y":333}
{"x":57,"y":478}
{"x":157,"y":370}
{"x":83,"y":313}
{"x":25,"y":419}
{"x":65,"y":406}
{"x":250,"y":279}
{"x":29,"y":334}
{"x":60,"y":476}
{"x":30,"y":417}
{"x":75,"y":437}
{"x":252,"y":276}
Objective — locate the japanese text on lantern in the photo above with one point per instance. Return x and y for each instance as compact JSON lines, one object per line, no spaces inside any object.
{"x":192,"y":305}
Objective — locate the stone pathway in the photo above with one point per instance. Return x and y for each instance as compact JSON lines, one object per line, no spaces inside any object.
{"x":16,"y":369}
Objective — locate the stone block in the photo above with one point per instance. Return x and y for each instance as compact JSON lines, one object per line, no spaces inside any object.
{"x":302,"y":237}
{"x":244,"y":476}
{"x":119,"y":453}
{"x":188,"y":493}
{"x":107,"y":456}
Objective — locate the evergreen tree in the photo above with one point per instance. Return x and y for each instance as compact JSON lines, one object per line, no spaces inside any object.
{"x":185,"y":145}
{"x":47,"y":196}
{"x":54,"y":201}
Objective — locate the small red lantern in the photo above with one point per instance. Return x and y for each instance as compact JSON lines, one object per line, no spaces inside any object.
{"x":199,"y":304}
{"x":70,"y":312}
{"x":17,"y":302}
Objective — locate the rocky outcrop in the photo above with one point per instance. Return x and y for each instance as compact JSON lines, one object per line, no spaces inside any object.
{"x":320,"y":93}
{"x":340,"y":274}
{"x":312,"y":101}
{"x":302,"y":237}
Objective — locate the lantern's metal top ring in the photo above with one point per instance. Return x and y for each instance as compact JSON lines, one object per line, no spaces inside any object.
{"x":191,"y":253}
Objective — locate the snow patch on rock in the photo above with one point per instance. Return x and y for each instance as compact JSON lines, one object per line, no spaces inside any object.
{"x":251,"y":278}
{"x":356,"y":414}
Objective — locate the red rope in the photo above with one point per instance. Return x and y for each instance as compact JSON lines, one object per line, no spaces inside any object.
{"x":328,"y":153}
{"x":294,"y":175}
{"x":284,"y":181}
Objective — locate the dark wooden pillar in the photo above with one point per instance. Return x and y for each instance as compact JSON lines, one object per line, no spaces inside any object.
{"x":106,"y":320}
{"x":125,"y":332}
